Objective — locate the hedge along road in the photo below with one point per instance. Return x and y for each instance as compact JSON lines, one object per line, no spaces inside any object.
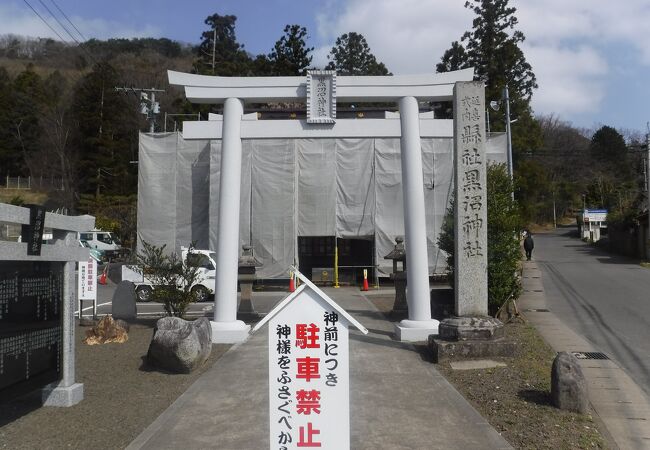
{"x":602,"y":296}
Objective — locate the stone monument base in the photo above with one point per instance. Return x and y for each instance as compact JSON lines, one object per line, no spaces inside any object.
{"x":470,"y":337}
{"x":229,"y":332}
{"x":55,"y":395}
{"x":415,"y":330}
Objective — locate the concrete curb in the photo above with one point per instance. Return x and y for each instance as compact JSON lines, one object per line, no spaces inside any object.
{"x":619,"y":403}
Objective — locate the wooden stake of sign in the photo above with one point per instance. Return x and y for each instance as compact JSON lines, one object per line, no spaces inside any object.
{"x":309,"y":374}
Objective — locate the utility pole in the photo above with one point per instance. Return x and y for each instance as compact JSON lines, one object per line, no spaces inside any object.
{"x":554,"y":217}
{"x":148,"y":104}
{"x":214,"y":47}
{"x":506,"y":98}
{"x":647,"y":144}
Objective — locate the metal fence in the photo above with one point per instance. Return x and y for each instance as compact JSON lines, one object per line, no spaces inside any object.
{"x":37,"y":183}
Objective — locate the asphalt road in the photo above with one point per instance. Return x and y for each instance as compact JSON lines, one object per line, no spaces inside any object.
{"x":602,"y":296}
{"x":262,"y":301}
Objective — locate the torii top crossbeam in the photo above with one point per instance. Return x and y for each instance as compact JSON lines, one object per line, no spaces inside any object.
{"x":211,"y":89}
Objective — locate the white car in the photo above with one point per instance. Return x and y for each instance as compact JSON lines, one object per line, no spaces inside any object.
{"x":204,"y":260}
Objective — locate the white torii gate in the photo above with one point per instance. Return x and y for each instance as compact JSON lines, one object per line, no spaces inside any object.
{"x":233,"y":92}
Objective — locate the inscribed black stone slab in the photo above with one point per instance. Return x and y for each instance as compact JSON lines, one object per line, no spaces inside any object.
{"x":31,"y":296}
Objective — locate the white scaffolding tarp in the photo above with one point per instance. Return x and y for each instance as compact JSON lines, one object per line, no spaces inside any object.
{"x":349,"y":188}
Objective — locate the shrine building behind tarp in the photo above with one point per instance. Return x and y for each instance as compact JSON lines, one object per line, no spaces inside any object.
{"x":297,"y":195}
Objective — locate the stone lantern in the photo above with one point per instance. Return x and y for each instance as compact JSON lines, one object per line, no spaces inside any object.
{"x":398,"y":255}
{"x":246,"y":275}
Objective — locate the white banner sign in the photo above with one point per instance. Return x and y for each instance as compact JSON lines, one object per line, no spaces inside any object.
{"x":309,"y":375}
{"x":87,"y":280}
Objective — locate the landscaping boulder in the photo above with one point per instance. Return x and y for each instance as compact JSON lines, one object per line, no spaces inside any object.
{"x":107,"y":331}
{"x":179,"y":345}
{"x":123,"y":305}
{"x":568,"y":384}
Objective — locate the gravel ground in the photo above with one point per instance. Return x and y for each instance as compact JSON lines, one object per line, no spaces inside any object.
{"x":516,"y":399}
{"x":122,"y":396}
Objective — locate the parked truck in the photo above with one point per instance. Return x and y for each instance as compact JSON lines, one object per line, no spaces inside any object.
{"x":203,"y":287}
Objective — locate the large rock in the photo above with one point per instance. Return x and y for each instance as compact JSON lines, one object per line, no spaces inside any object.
{"x":179,"y":345}
{"x":568,"y":384}
{"x":123,"y":305}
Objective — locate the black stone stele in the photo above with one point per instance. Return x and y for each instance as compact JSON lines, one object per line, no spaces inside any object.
{"x":31,"y":295}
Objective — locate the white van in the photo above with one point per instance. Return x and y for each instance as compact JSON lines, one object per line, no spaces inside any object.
{"x":105,"y":241}
{"x":204,"y":260}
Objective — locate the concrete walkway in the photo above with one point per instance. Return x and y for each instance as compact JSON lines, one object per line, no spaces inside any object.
{"x":621,"y":405}
{"x":397,"y":400}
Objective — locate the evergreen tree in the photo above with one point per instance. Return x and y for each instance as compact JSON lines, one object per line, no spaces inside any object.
{"x":219,"y":40}
{"x":454,"y":58}
{"x":105,"y":133}
{"x":27,"y":97}
{"x":612,"y":174}
{"x":492,"y":49}
{"x":261,"y":66}
{"x":503,"y":225}
{"x":10,"y":159}
{"x":608,"y":145}
{"x":290,"y":55}
{"x":351,"y":55}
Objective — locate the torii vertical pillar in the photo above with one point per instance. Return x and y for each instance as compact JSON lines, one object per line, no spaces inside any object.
{"x":225,"y":326}
{"x":419,"y":324}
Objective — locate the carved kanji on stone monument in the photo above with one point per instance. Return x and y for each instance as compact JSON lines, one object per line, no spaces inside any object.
{"x":471,"y":196}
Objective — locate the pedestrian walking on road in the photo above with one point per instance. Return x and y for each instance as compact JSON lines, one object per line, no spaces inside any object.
{"x":529,"y":245}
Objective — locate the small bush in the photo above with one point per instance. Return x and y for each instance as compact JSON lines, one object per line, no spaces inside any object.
{"x":172,"y":278}
{"x":17,"y":201}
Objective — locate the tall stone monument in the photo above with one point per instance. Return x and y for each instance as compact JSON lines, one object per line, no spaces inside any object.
{"x":471,"y":332}
{"x":470,"y":207}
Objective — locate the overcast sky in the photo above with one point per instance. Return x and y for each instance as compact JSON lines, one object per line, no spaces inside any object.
{"x":591,"y":58}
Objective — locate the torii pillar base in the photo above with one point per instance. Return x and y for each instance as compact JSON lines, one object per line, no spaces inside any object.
{"x":415,"y":330}
{"x":229,"y":332}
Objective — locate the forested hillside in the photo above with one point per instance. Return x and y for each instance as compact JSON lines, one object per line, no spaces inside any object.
{"x":61,"y":117}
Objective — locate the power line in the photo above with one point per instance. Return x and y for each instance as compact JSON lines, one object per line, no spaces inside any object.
{"x":68,"y":19}
{"x":58,"y":21}
{"x":68,"y":31}
{"x":44,"y":21}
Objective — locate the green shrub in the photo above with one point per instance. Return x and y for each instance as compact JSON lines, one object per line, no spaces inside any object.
{"x":171,"y":277}
{"x":504,"y":224}
{"x":17,"y":201}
